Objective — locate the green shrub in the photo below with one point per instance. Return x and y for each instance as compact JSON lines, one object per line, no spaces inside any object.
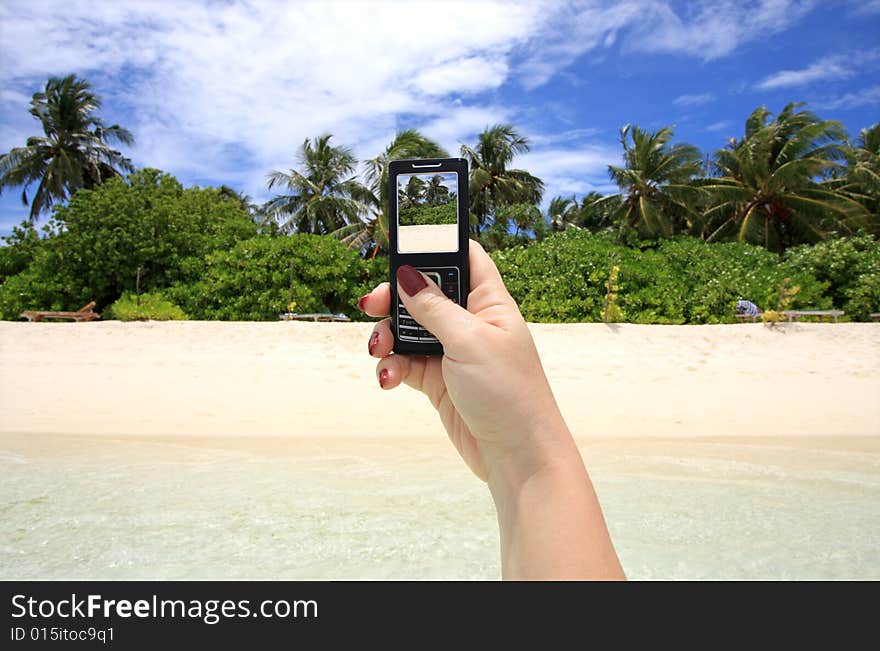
{"x":19,"y":250}
{"x":146,"y":307}
{"x":99,"y":240}
{"x":561,"y":278}
{"x":863,"y":297}
{"x":684,"y":280}
{"x":41,"y":286}
{"x":372,"y":271}
{"x":429,"y":215}
{"x":712,"y":277}
{"x":848,"y":266}
{"x":258,"y":278}
{"x":148,"y":221}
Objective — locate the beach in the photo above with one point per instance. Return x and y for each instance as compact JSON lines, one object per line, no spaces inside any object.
{"x":267,"y":450}
{"x":316,"y":380}
{"x":427,"y":237}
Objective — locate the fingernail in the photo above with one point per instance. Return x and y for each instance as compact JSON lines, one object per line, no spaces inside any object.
{"x":361,"y":302}
{"x":383,"y":377}
{"x":411,"y":280}
{"x":374,"y":339}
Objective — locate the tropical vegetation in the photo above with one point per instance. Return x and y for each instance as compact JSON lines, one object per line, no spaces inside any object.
{"x":657,"y":196}
{"x":789,"y":210}
{"x":325,"y":196}
{"x":493,"y":184}
{"x":73,"y":152}
{"x":370,"y":234}
{"x":769,"y":189}
{"x":144,"y":307}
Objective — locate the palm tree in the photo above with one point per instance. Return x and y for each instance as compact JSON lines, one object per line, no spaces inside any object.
{"x":596,"y":213}
{"x":73,"y":153}
{"x":435,"y":192}
{"x":562,"y":213}
{"x":324,"y":196}
{"x":767,"y":190}
{"x":413,"y":193}
{"x":370,"y":236}
{"x":656,"y":195}
{"x":243,"y":200}
{"x":861,"y":181}
{"x":492,"y":185}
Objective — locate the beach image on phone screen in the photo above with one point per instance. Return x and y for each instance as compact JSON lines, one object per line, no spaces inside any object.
{"x":427,"y":212}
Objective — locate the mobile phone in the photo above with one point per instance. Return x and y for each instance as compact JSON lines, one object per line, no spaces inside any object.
{"x":428,"y":229}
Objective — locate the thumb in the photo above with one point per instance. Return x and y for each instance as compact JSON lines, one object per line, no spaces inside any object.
{"x":453,"y":325}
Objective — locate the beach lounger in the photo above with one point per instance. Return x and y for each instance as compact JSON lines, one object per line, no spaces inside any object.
{"x":315,"y":316}
{"x":84,"y":313}
{"x":794,"y":315}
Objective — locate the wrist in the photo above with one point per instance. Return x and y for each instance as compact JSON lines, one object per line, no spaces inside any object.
{"x":543,"y":450}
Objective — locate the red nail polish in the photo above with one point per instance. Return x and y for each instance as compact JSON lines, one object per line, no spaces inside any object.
{"x":374,"y":339}
{"x":383,"y":377}
{"x":361,"y":302}
{"x":411,"y":280}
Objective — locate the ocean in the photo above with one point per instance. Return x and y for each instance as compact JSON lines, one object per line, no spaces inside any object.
{"x":104,"y":507}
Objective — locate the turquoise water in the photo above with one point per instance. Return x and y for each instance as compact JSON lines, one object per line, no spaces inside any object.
{"x":115,"y":508}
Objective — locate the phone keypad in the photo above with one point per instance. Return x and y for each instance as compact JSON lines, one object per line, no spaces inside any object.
{"x":408,"y":329}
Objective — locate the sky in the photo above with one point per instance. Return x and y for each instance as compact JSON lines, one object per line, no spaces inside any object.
{"x":223,"y":92}
{"x":448,"y":179}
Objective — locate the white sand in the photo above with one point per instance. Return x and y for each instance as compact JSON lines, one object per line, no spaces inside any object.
{"x":267,"y":450}
{"x":428,"y":238}
{"x":316,"y":380}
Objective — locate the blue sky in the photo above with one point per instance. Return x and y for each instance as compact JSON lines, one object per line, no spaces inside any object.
{"x":225,"y":92}
{"x":448,"y":179}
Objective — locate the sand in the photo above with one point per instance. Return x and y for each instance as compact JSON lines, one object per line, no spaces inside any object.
{"x":316,"y":380}
{"x":428,"y":237}
{"x":267,"y":451}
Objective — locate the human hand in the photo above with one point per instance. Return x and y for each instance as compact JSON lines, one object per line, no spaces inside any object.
{"x":497,"y":407}
{"x":489,"y":388}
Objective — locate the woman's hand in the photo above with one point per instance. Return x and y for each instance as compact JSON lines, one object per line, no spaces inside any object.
{"x":497,"y":407}
{"x":489,"y":387}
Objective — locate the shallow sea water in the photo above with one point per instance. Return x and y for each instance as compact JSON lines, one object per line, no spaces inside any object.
{"x":76,"y":507}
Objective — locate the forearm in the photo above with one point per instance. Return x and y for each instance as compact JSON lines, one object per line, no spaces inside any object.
{"x":549,"y":517}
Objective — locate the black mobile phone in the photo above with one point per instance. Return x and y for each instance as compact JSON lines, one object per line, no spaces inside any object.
{"x":428,"y":229}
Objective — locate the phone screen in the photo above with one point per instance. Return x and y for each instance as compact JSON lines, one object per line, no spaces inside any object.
{"x":427,"y":212}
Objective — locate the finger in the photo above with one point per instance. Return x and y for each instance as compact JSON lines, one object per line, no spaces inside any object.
{"x":450,"y":323}
{"x":377,"y":302}
{"x":381,"y":339}
{"x":482,"y":268}
{"x":392,"y":370}
{"x":489,"y":297}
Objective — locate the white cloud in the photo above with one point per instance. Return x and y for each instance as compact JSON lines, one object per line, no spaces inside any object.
{"x":708,"y":30}
{"x":694,"y":100}
{"x":711,"y":30}
{"x":229,"y":91}
{"x":9,"y":96}
{"x":462,"y":76}
{"x":457,"y":124}
{"x":827,"y":68}
{"x":865,"y":7}
{"x":835,"y":67}
{"x":589,"y":160}
{"x":571,"y":171}
{"x":720,"y":126}
{"x":569,"y":137}
{"x":262,"y":77}
{"x":865,"y":97}
{"x":571,"y":30}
